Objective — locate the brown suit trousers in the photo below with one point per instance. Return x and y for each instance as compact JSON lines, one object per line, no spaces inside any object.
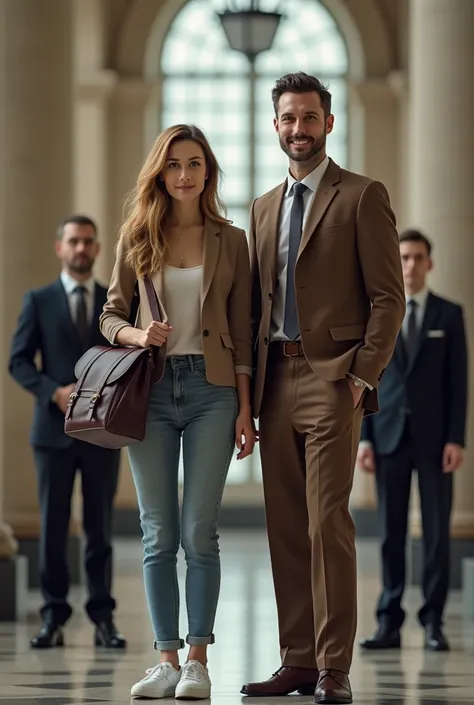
{"x":309,"y":433}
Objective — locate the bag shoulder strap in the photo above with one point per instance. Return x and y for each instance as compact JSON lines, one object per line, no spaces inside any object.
{"x":152,"y":299}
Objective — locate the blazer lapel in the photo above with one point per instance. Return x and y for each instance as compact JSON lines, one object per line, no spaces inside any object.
{"x":212,"y":243}
{"x":271,"y":230}
{"x":321,"y":202}
{"x":431,"y":312}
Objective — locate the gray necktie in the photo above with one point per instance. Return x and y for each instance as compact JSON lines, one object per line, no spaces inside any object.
{"x":82,"y":324}
{"x":412,"y":329}
{"x":290,"y":325}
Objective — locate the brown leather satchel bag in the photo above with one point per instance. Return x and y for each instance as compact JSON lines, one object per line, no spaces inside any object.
{"x":109,"y":404}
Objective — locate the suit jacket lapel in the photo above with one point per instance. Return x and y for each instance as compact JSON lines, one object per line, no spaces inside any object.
{"x":321,"y":202}
{"x":271,"y":230}
{"x":400,"y":353}
{"x":431,"y":312}
{"x":212,"y":243}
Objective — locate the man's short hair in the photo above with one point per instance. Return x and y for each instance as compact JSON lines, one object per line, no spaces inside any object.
{"x":301,"y":83}
{"x":77,"y":219}
{"x":413,"y":235}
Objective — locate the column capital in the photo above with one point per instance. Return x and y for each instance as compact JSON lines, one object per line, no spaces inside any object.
{"x":376,"y":91}
{"x":107,"y":84}
{"x":8,"y":543}
{"x":96,"y":86}
{"x":133,"y":91}
{"x":398,"y":82}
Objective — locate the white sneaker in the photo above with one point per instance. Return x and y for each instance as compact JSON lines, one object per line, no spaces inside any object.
{"x":159,"y":682}
{"x":194,"y":683}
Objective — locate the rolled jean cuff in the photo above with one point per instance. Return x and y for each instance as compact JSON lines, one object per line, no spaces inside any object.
{"x":172,"y":645}
{"x":200,"y":640}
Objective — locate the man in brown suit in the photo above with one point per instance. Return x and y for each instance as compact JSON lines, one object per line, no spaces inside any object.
{"x":328,"y":302}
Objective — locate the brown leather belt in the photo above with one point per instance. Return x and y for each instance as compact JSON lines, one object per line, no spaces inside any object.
{"x":289,"y":349}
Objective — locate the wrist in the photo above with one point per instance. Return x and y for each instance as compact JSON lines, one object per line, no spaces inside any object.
{"x":245,"y":408}
{"x":137,"y":338}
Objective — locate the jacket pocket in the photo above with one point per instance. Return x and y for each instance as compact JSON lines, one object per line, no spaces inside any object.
{"x":356,"y":331}
{"x":227,"y":341}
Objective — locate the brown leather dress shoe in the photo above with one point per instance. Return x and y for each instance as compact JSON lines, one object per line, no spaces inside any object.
{"x":285,"y":681}
{"x":333,"y":688}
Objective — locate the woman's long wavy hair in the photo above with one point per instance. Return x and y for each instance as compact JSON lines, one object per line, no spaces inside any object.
{"x":149,"y":205}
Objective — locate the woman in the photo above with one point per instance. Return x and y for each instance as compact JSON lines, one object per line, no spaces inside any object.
{"x":199,"y":265}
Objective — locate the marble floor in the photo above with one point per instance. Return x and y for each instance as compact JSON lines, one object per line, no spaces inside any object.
{"x":246,"y":647}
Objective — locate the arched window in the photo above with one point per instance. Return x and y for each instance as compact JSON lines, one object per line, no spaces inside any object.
{"x":208,"y":84}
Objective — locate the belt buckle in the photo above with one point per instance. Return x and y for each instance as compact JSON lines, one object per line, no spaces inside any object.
{"x":291,"y":349}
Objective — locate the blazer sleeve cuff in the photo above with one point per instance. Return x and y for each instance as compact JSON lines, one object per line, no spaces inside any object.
{"x":360,"y":371}
{"x":113,"y":331}
{"x":365,"y":445}
{"x":243,"y":370}
{"x":47,"y":391}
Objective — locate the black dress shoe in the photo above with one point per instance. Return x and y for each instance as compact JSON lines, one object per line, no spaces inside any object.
{"x":435,"y":639}
{"x":384,"y":638}
{"x":50,"y":635}
{"x":107,"y":635}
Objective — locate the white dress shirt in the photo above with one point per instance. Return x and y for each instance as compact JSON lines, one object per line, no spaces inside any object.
{"x":70,"y":285}
{"x":312,"y":182}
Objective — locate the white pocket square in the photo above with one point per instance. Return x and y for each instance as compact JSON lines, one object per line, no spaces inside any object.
{"x":436,"y":334}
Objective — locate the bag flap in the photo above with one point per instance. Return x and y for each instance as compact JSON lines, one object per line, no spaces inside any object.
{"x":109,"y":363}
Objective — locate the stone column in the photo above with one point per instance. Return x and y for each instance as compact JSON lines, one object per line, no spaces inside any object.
{"x":375,"y":130}
{"x":91,"y":161}
{"x":442,"y":187}
{"x":132,"y":131}
{"x":375,"y":117}
{"x":35,"y":193}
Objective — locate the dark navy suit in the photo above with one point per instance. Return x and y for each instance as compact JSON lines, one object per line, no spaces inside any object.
{"x":423,"y":402}
{"x":46,"y":327}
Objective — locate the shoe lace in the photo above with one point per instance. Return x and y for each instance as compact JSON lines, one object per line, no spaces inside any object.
{"x":157,"y":671}
{"x":193,"y":671}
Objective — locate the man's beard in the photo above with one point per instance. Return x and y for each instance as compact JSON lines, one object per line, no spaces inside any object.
{"x":81,"y":265}
{"x":315,"y":147}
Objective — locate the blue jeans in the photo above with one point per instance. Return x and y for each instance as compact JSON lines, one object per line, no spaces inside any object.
{"x":183,"y":405}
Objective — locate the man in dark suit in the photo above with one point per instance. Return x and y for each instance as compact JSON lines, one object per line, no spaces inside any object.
{"x":60,"y":322}
{"x":421,"y":425}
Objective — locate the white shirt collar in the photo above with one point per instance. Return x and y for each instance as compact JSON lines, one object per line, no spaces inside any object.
{"x":69,"y":283}
{"x":312,"y":180}
{"x":419,"y":297}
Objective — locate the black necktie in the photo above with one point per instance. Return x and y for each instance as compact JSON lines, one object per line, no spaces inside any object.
{"x":412,"y":329}
{"x":290,"y":325}
{"x":82,"y":324}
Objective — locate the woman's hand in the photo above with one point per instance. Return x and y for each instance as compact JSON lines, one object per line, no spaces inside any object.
{"x":156,"y":334}
{"x":245,"y":434}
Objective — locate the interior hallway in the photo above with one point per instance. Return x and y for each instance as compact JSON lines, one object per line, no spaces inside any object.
{"x":246,"y":642}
